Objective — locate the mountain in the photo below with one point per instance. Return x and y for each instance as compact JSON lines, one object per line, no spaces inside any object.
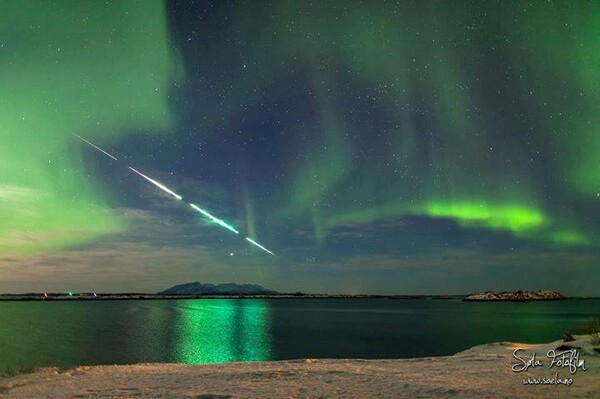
{"x":516,"y":296}
{"x":197,"y":288}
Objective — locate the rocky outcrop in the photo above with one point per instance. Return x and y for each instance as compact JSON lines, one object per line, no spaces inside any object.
{"x":516,"y":296}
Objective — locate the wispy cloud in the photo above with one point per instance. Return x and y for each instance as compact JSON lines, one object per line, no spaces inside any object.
{"x":148,"y":257}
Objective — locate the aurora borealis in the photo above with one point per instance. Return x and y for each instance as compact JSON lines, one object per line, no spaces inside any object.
{"x":64,"y":68}
{"x":376,"y":147}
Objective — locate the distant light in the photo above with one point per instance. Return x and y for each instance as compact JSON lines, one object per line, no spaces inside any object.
{"x":70,"y":293}
{"x":231,"y":254}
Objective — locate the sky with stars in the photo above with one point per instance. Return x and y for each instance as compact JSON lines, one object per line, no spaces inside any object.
{"x":389,"y":147}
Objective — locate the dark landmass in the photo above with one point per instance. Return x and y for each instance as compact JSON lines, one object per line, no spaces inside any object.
{"x":197,"y":288}
{"x":89,"y":296}
{"x":171,"y":293}
{"x":142,"y":296}
{"x":516,"y":296}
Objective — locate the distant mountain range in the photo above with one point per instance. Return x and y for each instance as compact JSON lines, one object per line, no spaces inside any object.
{"x":197,"y":288}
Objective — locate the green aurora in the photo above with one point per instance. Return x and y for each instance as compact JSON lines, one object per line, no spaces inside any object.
{"x":299,"y":122}
{"x":92,"y":68}
{"x":424,"y":67}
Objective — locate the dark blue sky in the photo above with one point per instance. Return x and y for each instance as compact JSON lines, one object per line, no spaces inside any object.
{"x":375,"y":147}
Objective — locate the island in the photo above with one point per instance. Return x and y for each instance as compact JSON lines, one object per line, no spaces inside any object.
{"x":198,"y":288}
{"x":516,"y":296}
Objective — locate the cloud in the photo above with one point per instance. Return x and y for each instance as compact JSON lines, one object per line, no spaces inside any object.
{"x":16,"y":193}
{"x":155,"y":253}
{"x":452,"y":271}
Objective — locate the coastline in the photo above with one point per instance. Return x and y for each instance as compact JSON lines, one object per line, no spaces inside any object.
{"x":148,"y":296}
{"x":151,"y":297}
{"x":483,"y":371}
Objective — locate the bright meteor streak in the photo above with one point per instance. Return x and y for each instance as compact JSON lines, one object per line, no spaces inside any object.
{"x":177,"y":196}
{"x":95,"y":146}
{"x":250,"y":240}
{"x":214,"y":219}
{"x":157,"y":184}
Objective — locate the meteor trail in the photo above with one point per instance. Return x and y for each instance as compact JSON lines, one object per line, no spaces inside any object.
{"x":250,"y":240}
{"x":214,"y":219}
{"x":95,"y":146}
{"x":177,"y":196}
{"x":157,"y":184}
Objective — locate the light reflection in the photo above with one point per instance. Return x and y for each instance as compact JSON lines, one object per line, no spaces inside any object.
{"x":214,"y":331}
{"x":255,"y":337}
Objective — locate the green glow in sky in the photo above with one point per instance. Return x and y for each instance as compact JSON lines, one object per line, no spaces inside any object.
{"x":566,"y":93}
{"x":514,"y":218}
{"x":569,"y":237}
{"x":442,"y":150}
{"x":337,"y":133}
{"x":94,"y":68}
{"x":428,"y":109}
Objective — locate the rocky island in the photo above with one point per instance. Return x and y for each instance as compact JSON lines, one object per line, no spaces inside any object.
{"x":516,"y":296}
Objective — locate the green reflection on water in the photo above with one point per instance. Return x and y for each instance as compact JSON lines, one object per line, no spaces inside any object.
{"x":222,"y":331}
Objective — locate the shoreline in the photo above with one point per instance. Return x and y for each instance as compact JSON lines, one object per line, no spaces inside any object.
{"x":144,"y":296}
{"x":483,"y":371}
{"x":150,"y":297}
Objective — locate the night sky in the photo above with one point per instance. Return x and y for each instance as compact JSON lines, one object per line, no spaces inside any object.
{"x":409,"y":147}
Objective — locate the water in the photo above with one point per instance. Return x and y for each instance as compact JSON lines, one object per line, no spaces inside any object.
{"x":64,"y":333}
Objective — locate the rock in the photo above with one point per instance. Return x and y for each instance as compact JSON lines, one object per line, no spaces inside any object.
{"x":567,"y":337}
{"x":516,"y":296}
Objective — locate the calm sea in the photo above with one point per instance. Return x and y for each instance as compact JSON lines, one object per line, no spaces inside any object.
{"x":205,"y":331}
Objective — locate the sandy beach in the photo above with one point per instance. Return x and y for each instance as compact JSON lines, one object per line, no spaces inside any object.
{"x":480,"y":372}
